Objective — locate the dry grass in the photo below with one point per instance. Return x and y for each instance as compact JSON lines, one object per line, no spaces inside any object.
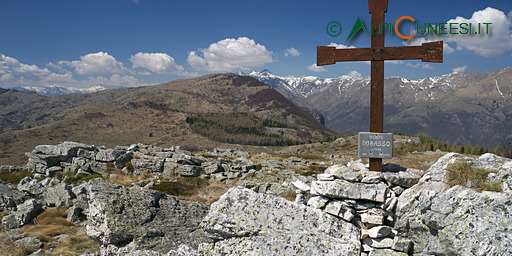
{"x":127,"y":179}
{"x":193,"y":189}
{"x":9,"y":248}
{"x":463,"y":174}
{"x":207,"y":194}
{"x":290,"y":196}
{"x":311,"y":170}
{"x":50,"y":223}
{"x":75,"y":244}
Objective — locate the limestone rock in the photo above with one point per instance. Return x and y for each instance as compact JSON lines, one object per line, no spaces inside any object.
{"x":357,"y":165}
{"x":31,"y":186}
{"x":10,"y":197}
{"x":24,"y":214}
{"x":247,"y":223}
{"x":381,"y":243}
{"x":440,"y":220}
{"x":149,"y":164}
{"x":189,"y":170}
{"x":379,"y":231}
{"x":344,"y":172}
{"x":401,"y":244}
{"x":121,"y":160}
{"x":405,"y":177}
{"x":59,"y":196}
{"x":119,"y":215}
{"x":108,"y":155}
{"x":317,"y":202}
{"x":340,"y":209}
{"x":325,"y":177}
{"x":301,"y":185}
{"x":345,"y":189}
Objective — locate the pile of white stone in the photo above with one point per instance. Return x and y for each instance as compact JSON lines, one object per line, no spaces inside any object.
{"x":364,"y":198}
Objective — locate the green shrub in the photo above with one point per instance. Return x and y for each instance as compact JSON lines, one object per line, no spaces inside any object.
{"x":14,"y":177}
{"x":463,"y":174}
{"x":75,"y":180}
{"x":181,"y":187}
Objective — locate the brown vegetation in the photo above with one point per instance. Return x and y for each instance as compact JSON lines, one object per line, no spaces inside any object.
{"x":463,"y":174}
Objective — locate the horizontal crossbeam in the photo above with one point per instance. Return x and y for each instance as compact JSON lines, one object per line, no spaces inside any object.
{"x":427,"y":52}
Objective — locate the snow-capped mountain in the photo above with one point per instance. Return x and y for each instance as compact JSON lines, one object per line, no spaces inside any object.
{"x":54,"y":90}
{"x":474,"y":107}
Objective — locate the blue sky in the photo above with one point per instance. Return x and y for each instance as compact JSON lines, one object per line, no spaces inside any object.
{"x":78,"y":43}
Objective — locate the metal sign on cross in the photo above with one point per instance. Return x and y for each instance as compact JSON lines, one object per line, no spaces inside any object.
{"x":377,"y":54}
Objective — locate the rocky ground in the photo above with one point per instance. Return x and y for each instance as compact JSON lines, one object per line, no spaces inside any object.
{"x":145,"y":200}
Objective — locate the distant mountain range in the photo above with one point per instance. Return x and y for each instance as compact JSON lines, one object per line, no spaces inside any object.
{"x":463,"y":108}
{"x":200,"y":111}
{"x":55,"y":90}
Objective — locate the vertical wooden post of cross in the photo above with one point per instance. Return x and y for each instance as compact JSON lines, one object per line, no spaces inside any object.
{"x":377,"y":8}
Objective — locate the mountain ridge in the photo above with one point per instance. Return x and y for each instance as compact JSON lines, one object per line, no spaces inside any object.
{"x":412,"y":107}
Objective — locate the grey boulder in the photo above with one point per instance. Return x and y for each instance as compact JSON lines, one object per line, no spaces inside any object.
{"x":244,"y":222}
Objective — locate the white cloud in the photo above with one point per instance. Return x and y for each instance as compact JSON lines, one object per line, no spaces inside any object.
{"x":11,"y":65}
{"x":96,"y":64}
{"x":160,"y":63}
{"x":415,"y":41}
{"x":341,"y":46}
{"x":291,"y":52}
{"x":459,"y":69}
{"x":420,"y":65}
{"x":354,"y":74}
{"x":498,"y":41}
{"x":13,"y":73}
{"x":315,"y":68}
{"x":495,"y":43}
{"x":230,"y":54}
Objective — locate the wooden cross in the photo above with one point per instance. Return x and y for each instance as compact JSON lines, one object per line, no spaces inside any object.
{"x":377,"y":54}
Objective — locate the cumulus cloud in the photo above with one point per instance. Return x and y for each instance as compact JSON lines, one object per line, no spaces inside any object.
{"x":291,"y":52}
{"x":96,"y":64}
{"x":13,"y":73}
{"x":459,"y":69}
{"x":315,"y":68}
{"x":9,"y":65}
{"x":415,"y":41}
{"x":354,"y":74}
{"x":230,"y":54}
{"x":495,"y":43}
{"x":160,"y":63}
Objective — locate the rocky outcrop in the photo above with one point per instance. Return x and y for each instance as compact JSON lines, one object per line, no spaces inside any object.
{"x":350,"y":211}
{"x":443,"y":220}
{"x":10,"y":197}
{"x":147,"y":219}
{"x":243,"y":222}
{"x":24,"y":214}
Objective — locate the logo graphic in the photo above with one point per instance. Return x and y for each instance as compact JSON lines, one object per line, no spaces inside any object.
{"x":334,"y":28}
